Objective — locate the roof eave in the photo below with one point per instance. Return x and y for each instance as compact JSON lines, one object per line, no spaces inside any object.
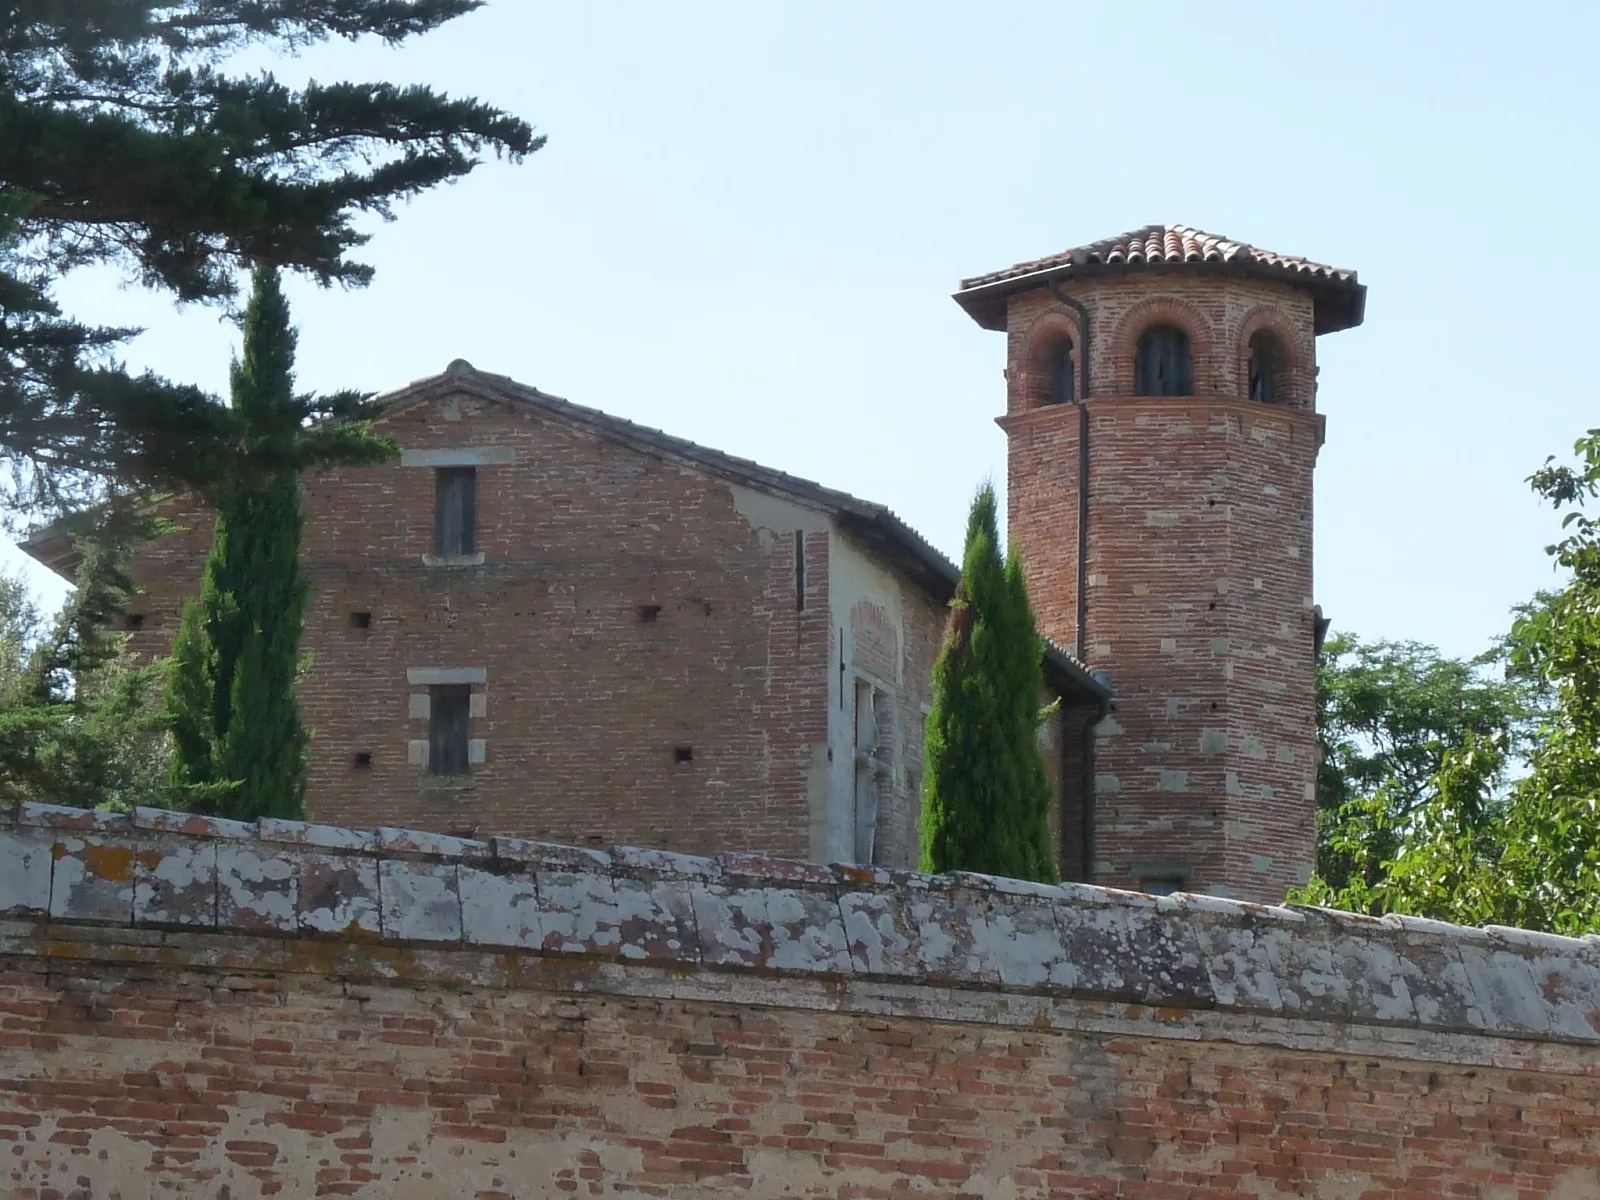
{"x":1064,"y":671}
{"x":1340,"y":303}
{"x":55,"y":552}
{"x":904,"y":547}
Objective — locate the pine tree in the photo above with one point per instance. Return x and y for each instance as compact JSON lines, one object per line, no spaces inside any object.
{"x":236,"y":719}
{"x":986,"y":793}
{"x":125,"y":141}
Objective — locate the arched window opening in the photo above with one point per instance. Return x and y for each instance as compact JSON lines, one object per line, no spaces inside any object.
{"x":1063,"y":374}
{"x":1162,"y":366}
{"x":1265,"y":360}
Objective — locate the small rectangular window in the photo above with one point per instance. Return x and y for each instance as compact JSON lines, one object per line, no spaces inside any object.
{"x":449,"y":716}
{"x":455,"y":513}
{"x":1157,"y":886}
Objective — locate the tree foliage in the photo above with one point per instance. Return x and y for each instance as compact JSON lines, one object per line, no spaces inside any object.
{"x":236,"y":720}
{"x":1529,"y":857}
{"x":124,"y":140}
{"x":80,"y":722}
{"x":1389,"y":713}
{"x":986,"y":793}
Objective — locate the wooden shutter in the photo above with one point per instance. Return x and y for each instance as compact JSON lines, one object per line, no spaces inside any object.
{"x":455,"y":514}
{"x":449,"y":712}
{"x":1263,"y":363}
{"x":1162,"y":365}
{"x":1063,"y":376}
{"x":1182,"y":365}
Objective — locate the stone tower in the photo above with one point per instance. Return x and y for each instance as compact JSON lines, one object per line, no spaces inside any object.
{"x":1162,"y":428}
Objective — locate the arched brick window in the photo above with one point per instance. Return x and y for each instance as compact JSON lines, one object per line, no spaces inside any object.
{"x":1063,"y":366}
{"x":1048,"y":368}
{"x":1276,"y":360}
{"x":1162,"y":364}
{"x":1267,"y":362}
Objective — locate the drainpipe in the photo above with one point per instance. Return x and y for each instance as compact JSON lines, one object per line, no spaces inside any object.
{"x":1087,"y":782}
{"x":1083,"y":469}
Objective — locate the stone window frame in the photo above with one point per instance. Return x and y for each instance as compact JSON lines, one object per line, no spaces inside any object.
{"x":419,"y":681}
{"x":459,"y":456}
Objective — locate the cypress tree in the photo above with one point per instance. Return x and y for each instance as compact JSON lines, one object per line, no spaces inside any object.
{"x":986,"y":793}
{"x":236,"y":720}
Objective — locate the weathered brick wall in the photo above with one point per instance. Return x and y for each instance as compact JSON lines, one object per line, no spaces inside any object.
{"x":585,"y":703}
{"x":207,"y":1009}
{"x":1198,"y":572}
{"x":893,"y":630}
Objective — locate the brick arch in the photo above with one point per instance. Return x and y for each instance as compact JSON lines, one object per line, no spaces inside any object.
{"x":1299,"y":367}
{"x":1030,"y":383}
{"x":1164,"y":310}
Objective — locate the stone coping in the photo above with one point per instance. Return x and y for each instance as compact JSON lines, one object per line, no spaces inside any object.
{"x":759,"y":916}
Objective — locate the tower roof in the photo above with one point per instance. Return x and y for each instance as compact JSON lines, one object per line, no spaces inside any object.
{"x":1340,"y":299}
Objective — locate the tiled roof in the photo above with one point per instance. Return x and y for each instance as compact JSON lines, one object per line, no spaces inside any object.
{"x":1163,"y":246}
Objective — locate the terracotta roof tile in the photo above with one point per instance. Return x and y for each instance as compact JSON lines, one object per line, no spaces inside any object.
{"x":1341,"y":299}
{"x":1164,"y":244}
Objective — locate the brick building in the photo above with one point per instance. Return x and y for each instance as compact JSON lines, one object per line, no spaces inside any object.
{"x":547,"y":621}
{"x":1162,"y":430}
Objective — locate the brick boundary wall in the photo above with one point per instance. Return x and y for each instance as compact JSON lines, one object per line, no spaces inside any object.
{"x":201,"y":1007}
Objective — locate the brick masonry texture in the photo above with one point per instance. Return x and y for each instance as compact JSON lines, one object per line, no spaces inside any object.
{"x":632,"y":603}
{"x":629,"y":607}
{"x":585,"y":703}
{"x":198,"y":1007}
{"x":1198,"y":578}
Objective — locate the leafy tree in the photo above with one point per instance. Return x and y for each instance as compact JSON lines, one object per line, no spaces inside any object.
{"x":1388,"y":715}
{"x":236,"y":719}
{"x":986,"y":793}
{"x":125,"y":141}
{"x":1534,"y":859}
{"x":80,"y":722}
{"x":1547,"y":872}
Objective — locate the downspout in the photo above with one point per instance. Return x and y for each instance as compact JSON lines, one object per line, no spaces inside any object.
{"x":1083,"y":468}
{"x":1087,"y":782}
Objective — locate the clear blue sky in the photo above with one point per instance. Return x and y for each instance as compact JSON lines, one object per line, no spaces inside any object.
{"x":749,"y":219}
